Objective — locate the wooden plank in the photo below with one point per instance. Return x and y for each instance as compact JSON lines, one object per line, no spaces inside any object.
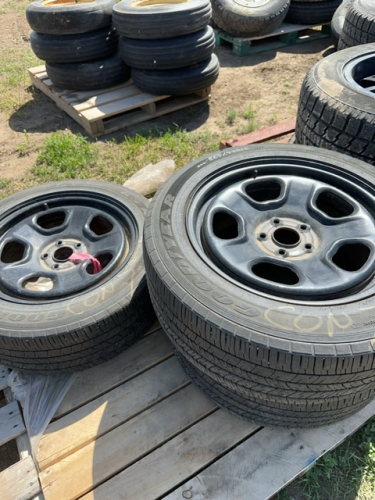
{"x":163,"y":107}
{"x":98,"y":461}
{"x":262,"y":135}
{"x":268,"y":461}
{"x":11,"y":422}
{"x":83,"y":95}
{"x":94,"y":382}
{"x":116,"y":107}
{"x":37,"y":69}
{"x":4,"y":372}
{"x":86,"y":424}
{"x":106,"y":98}
{"x":19,"y":481}
{"x":181,"y":458}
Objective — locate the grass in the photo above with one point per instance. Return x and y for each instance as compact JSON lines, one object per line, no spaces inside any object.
{"x":231,"y":117}
{"x":346,"y":473}
{"x":251,"y":123}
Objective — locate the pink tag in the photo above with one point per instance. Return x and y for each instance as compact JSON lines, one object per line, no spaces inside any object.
{"x":81,"y":257}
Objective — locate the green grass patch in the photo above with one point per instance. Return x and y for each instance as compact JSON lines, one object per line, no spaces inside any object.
{"x":346,"y":473}
{"x":231,"y":117}
{"x":66,"y":156}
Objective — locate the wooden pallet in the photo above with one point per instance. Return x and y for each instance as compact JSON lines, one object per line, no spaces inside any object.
{"x":285,"y":35}
{"x":136,"y":428}
{"x":103,"y":111}
{"x":20,"y":481}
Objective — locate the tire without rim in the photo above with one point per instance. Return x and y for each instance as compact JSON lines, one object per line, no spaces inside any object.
{"x":251,"y":342}
{"x":242,"y":18}
{"x":83,"y":47}
{"x":147,"y":20}
{"x":170,"y":53}
{"x":89,"y":75}
{"x":51,"y":17}
{"x":56,"y":315}
{"x":336,"y":107}
{"x":180,"y":81}
{"x":359,"y":25}
{"x":338,"y":20}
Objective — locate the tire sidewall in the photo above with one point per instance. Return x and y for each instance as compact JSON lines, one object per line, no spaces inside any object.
{"x":268,"y":321}
{"x":87,"y":307}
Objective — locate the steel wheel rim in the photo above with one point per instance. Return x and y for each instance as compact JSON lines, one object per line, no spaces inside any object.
{"x":360,"y":73}
{"x":37,"y":238}
{"x":301,"y":235}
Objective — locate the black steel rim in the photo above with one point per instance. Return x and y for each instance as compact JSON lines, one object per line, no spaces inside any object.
{"x":37,"y":238}
{"x":287,"y":229}
{"x":360,"y":73}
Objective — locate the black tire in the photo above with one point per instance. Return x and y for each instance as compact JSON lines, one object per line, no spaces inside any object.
{"x":89,"y":75}
{"x":335,"y":111}
{"x":170,"y":53}
{"x":52,"y":18}
{"x":89,"y":46}
{"x":249,"y":19}
{"x":359,"y":25}
{"x":83,"y":319}
{"x":150,"y":21}
{"x":338,"y":20}
{"x":312,"y":13}
{"x":180,"y":81}
{"x":266,"y":356}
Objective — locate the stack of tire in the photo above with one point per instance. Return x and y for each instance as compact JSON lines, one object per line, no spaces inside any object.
{"x":311,"y":11}
{"x":169,"y":47}
{"x":78,"y":43}
{"x":359,"y":24}
{"x":337,"y":103}
{"x":251,"y":19}
{"x":338,"y":20}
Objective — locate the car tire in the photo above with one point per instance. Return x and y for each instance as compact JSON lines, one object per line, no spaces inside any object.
{"x":338,"y":20}
{"x":150,"y":21}
{"x":170,"y":53}
{"x":252,"y":19}
{"x":71,"y":17}
{"x":89,"y":75}
{"x":359,"y":25}
{"x":311,"y":13}
{"x":58,"y":316}
{"x":181,"y":81}
{"x":336,"y":111}
{"x":83,"y":47}
{"x":271,"y":350}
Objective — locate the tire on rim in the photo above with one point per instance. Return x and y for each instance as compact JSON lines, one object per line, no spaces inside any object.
{"x":180,"y":81}
{"x":64,"y":17}
{"x":359,"y":24}
{"x":170,"y":53}
{"x":89,"y":75}
{"x":57,"y":315}
{"x":337,"y":104}
{"x":89,"y":46}
{"x":260,"y":264}
{"x":312,"y":13}
{"x":255,"y":18}
{"x":153,"y":20}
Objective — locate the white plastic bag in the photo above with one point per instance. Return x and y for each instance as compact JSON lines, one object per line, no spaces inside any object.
{"x":150,"y":178}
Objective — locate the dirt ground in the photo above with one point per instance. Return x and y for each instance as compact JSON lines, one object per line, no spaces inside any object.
{"x":268,"y":83}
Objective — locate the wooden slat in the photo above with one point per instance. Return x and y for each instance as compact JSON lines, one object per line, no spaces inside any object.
{"x":127,"y":104}
{"x":19,"y":481}
{"x":181,"y":458}
{"x":162,"y":108}
{"x":77,"y":96}
{"x":95,"y":463}
{"x":86,"y":424}
{"x":262,"y":135}
{"x":11,"y":422}
{"x":106,"y":98}
{"x":268,"y":461}
{"x":96,"y":381}
{"x":4,"y":372}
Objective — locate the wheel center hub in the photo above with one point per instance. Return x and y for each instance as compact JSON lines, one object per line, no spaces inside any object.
{"x":56,"y":255}
{"x":286,"y":237}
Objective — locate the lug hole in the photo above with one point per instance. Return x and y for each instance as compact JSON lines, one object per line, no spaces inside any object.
{"x":262,"y":236}
{"x":308,"y":246}
{"x":303,"y":227}
{"x":281,"y":252}
{"x":276,"y":221}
